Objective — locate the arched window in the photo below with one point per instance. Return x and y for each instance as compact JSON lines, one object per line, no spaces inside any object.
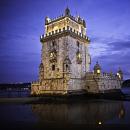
{"x":79,"y":57}
{"x":77,"y":44}
{"x":53,"y":43}
{"x":67,"y":66}
{"x":53,"y":56}
{"x":53,"y":67}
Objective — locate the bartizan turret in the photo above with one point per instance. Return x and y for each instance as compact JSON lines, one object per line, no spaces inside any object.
{"x":120,"y":74}
{"x":97,"y":68}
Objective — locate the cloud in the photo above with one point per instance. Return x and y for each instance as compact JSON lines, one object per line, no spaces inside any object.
{"x":111,"y":53}
{"x":109,"y":46}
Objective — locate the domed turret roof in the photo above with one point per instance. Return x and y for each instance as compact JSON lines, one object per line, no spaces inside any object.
{"x":120,"y":71}
{"x":97,"y":66}
{"x":67,"y":11}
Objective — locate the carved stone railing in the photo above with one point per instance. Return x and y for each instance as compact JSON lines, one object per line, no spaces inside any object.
{"x":102,"y":75}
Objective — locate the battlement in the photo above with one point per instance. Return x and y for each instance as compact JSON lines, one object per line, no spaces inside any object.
{"x":75,"y":19}
{"x":62,"y":31}
{"x":65,"y":22}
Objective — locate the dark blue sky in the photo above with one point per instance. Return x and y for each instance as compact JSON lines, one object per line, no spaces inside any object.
{"x":22,"y":22}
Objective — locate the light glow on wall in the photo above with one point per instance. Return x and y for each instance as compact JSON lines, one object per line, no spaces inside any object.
{"x":118,"y":75}
{"x":79,"y":55}
{"x":98,"y":71}
{"x":99,"y":122}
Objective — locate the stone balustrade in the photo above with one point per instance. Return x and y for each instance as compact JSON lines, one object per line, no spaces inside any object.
{"x":102,"y":75}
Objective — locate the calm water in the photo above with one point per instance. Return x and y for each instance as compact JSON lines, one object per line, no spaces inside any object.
{"x":88,"y":112}
{"x":14,"y":93}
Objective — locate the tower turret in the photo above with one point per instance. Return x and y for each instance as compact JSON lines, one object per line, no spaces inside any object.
{"x":97,"y":68}
{"x":120,"y":74}
{"x":47,"y":20}
{"x":65,"y":55}
{"x":67,"y":11}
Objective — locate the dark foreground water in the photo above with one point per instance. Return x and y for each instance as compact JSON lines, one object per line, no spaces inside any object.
{"x":92,"y":113}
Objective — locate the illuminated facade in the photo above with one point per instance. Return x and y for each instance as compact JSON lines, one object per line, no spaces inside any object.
{"x":65,"y":59}
{"x":100,"y":82}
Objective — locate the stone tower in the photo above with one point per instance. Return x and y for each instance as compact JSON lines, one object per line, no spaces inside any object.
{"x":65,"y":57}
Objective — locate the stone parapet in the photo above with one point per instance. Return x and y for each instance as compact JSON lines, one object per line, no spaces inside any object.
{"x":64,"y":32}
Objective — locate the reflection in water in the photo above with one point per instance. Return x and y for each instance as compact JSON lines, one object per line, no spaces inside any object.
{"x":122,"y":113}
{"x":97,"y":112}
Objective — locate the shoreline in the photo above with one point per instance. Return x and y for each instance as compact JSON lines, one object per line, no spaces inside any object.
{"x":61,"y":99}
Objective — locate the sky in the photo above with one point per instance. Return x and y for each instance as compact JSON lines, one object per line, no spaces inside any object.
{"x":22,"y":23}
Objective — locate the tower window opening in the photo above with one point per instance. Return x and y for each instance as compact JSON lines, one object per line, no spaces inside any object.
{"x":53,"y":67}
{"x":67,"y":27}
{"x":67,"y":67}
{"x":53,"y":43}
{"x":79,"y":57}
{"x":77,"y":43}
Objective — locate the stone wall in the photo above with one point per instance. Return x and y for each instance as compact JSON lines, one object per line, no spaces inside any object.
{"x":101,"y":83}
{"x":78,"y":70}
{"x":58,"y":73}
{"x":51,"y":86}
{"x":76,"y":84}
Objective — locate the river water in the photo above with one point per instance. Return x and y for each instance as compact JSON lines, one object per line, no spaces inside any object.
{"x":92,"y":112}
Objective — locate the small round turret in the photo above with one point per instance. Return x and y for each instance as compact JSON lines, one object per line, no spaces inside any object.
{"x":67,"y":11}
{"x":120,"y":74}
{"x":47,"y":20}
{"x":84,"y":23}
{"x":79,"y":19}
{"x":97,"y":68}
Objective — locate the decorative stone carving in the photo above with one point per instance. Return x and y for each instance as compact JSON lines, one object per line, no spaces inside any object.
{"x":53,"y":56}
{"x":78,"y":57}
{"x":66,"y":64}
